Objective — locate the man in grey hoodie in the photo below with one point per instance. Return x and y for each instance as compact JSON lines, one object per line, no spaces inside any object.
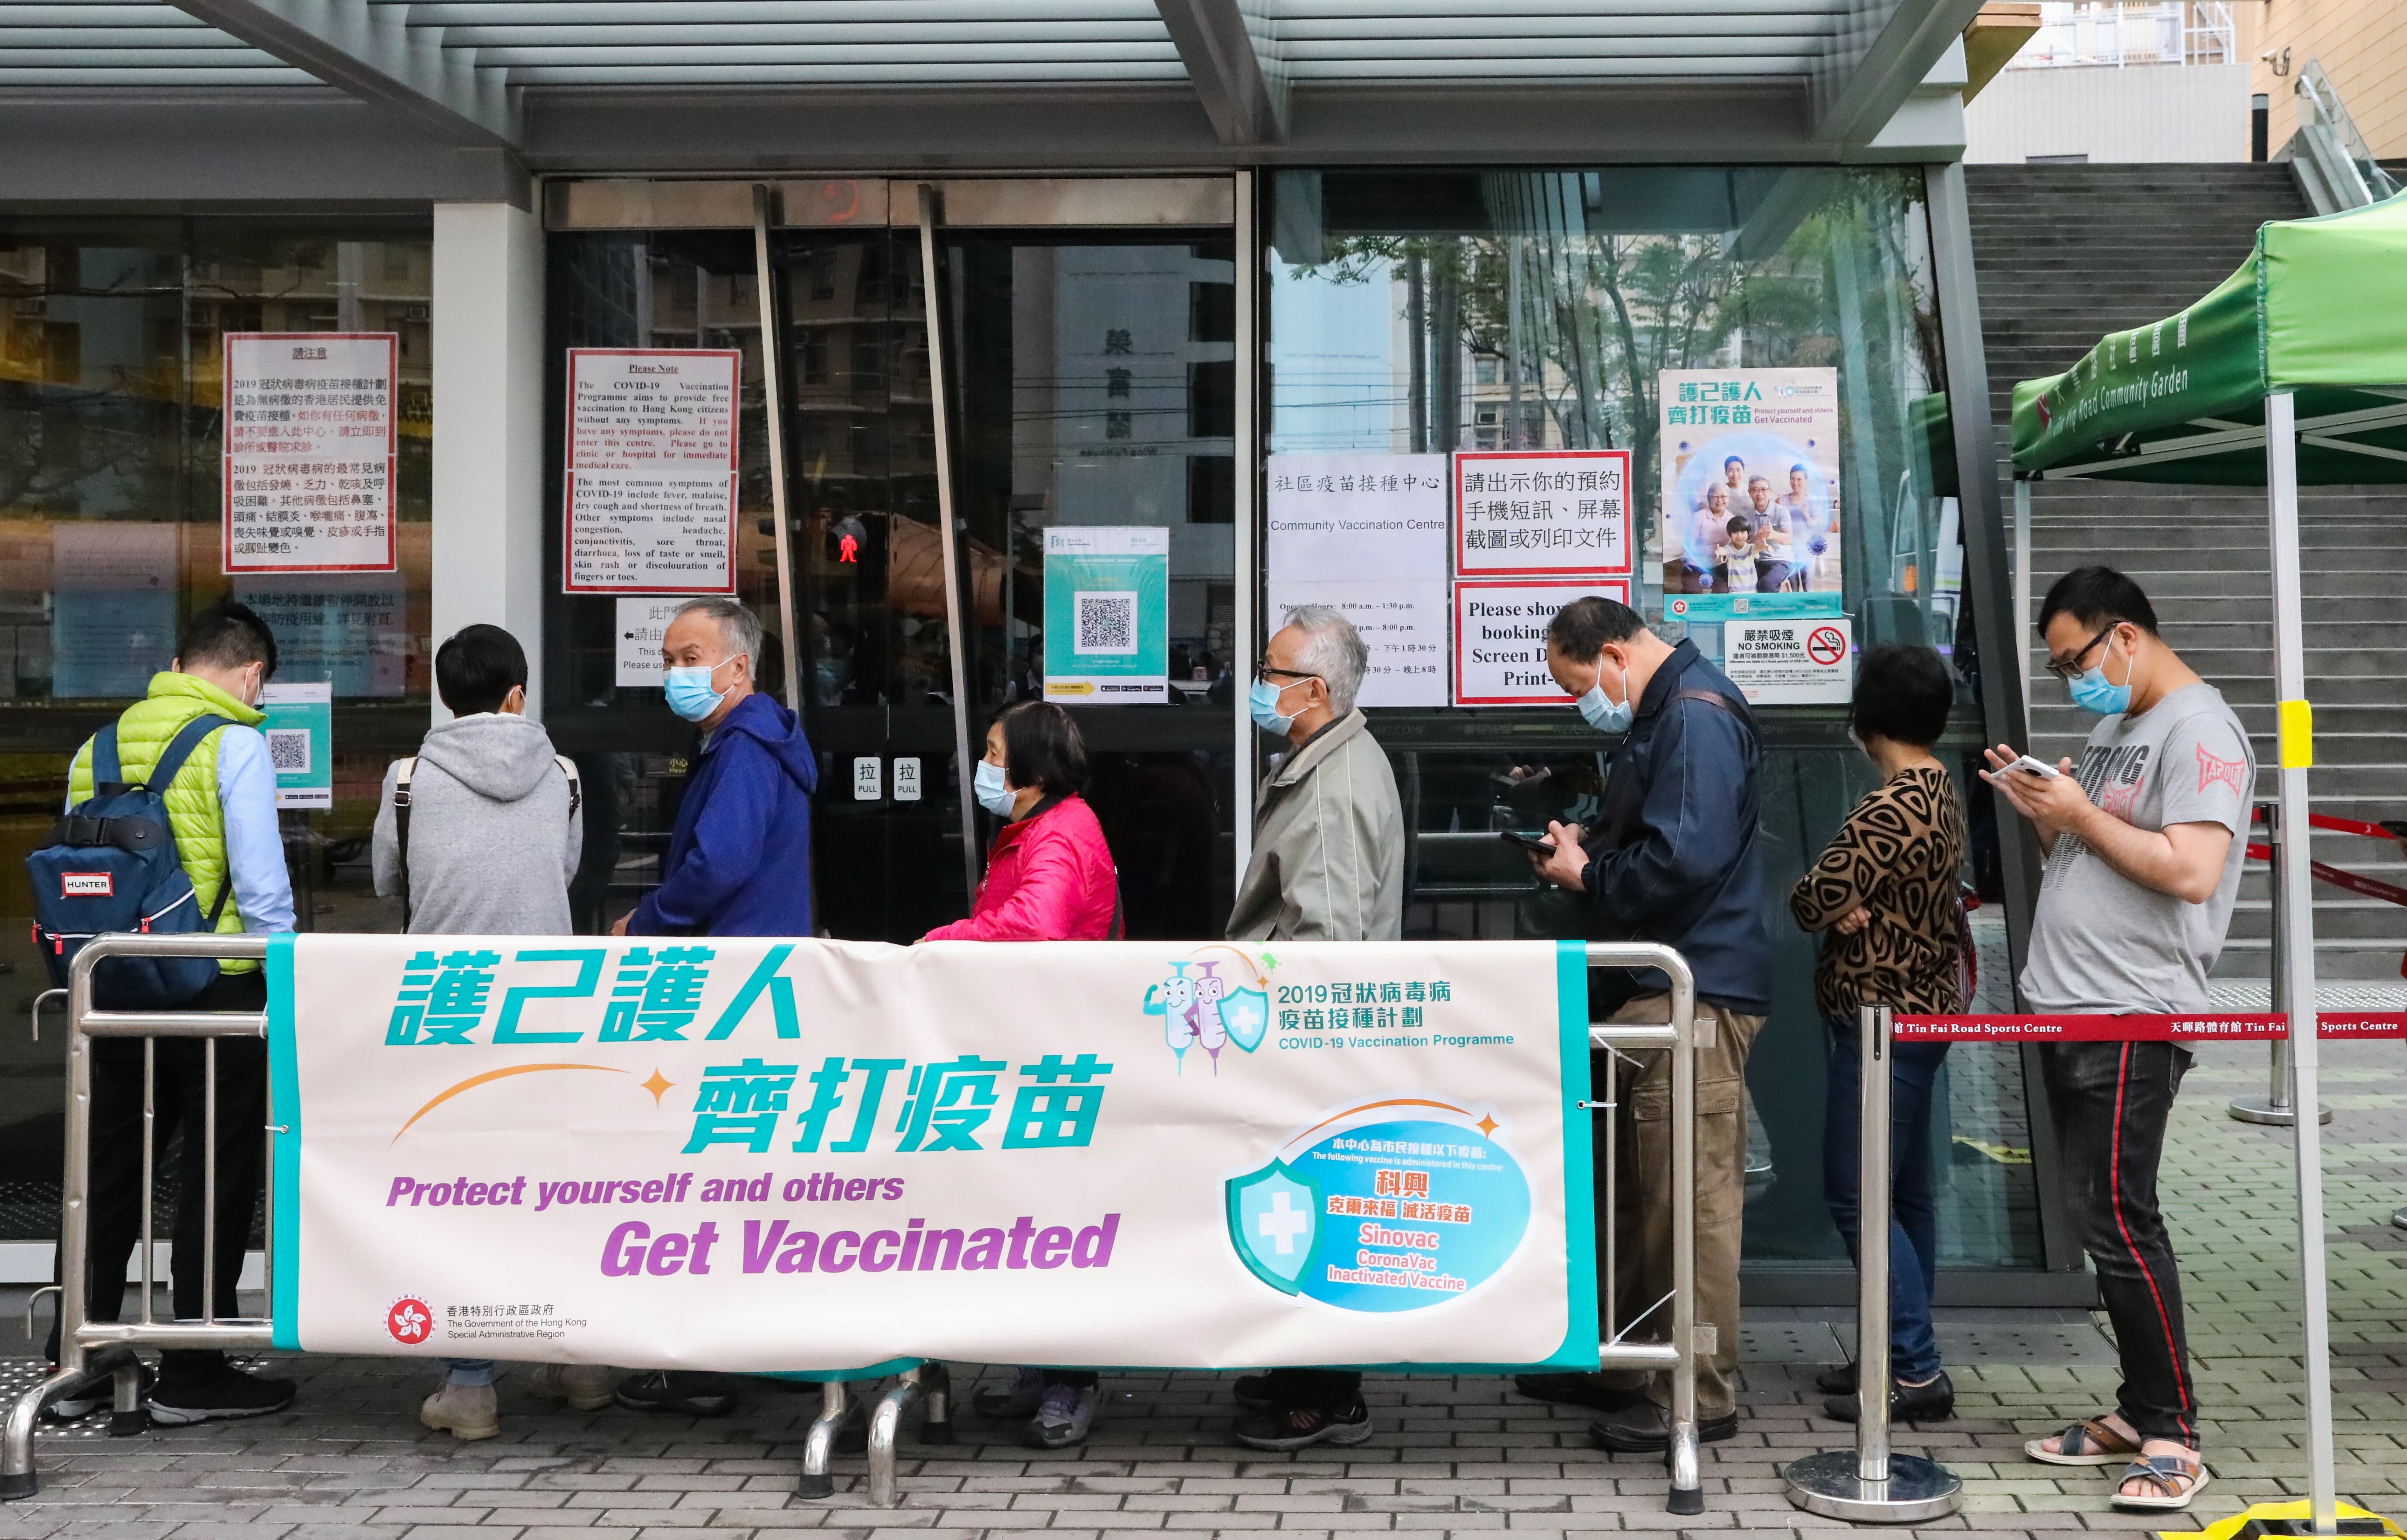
{"x":495,"y":826}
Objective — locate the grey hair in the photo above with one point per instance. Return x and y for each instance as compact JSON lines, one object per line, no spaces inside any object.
{"x":738,"y":627}
{"x":1332,"y":649}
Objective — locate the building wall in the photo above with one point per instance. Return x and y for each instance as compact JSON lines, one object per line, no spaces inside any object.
{"x":2143,"y":112}
{"x":2362,"y":44}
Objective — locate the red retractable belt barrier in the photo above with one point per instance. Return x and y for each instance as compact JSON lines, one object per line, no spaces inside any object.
{"x":2042,"y":1027}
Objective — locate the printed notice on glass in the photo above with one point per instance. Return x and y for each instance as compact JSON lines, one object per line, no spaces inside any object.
{"x":309,"y":451}
{"x":1790,"y":662}
{"x":1541,"y":513}
{"x":1500,"y":636}
{"x":651,"y":470}
{"x":1366,"y":535}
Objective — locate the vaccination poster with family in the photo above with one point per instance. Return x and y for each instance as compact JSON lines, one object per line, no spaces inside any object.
{"x":1750,"y":509}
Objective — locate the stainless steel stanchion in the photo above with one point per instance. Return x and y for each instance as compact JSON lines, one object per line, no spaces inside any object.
{"x":1868,"y":1484}
{"x":2276,"y":1107}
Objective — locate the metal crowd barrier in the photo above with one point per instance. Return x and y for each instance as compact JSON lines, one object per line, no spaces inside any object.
{"x":95,"y":1347}
{"x":1679,"y":1355}
{"x":89,"y":1348}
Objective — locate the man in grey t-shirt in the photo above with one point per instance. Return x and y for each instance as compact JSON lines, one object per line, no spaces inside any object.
{"x":2145,"y":839}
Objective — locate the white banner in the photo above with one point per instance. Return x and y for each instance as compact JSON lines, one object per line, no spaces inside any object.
{"x":749,"y":1154}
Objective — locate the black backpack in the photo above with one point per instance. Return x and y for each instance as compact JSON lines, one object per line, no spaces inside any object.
{"x":112,"y":865}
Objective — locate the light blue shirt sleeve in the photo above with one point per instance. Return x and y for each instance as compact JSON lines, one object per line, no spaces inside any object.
{"x":263,"y":890}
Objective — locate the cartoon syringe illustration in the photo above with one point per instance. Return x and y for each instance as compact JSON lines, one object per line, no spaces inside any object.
{"x":1210,"y":1029}
{"x":1177,"y":1007}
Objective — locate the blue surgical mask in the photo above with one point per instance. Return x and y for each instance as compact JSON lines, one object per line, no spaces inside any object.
{"x":1604,"y":715}
{"x":992,"y":793}
{"x":2092,"y":692}
{"x":689,"y":693}
{"x":1263,"y":700}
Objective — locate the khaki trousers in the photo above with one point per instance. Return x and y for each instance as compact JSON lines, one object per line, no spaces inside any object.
{"x":1641,"y":1136}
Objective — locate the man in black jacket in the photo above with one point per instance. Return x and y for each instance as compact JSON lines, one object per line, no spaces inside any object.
{"x":1673,"y":859}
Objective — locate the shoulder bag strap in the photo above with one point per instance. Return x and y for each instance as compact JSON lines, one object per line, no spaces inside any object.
{"x":575,"y":787}
{"x":164,"y":774}
{"x":104,"y":758}
{"x":404,"y":769}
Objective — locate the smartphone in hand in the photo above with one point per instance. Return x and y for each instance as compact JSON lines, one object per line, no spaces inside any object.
{"x":1527,"y":840}
{"x":2031,"y":766}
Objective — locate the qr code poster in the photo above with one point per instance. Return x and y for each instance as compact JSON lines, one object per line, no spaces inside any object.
{"x":1107,"y":614}
{"x":300,"y":732}
{"x":288,"y":750}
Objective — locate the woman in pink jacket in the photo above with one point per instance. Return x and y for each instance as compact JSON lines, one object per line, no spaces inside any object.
{"x":1048,"y":874}
{"x":1049,"y":878}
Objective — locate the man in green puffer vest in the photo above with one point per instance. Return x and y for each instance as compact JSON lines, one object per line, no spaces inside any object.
{"x":221,"y":809}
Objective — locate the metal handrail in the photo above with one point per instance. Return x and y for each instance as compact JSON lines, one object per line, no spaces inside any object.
{"x":2330,"y":158}
{"x":1679,"y":1037}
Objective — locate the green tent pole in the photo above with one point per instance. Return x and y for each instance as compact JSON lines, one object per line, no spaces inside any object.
{"x":2292,"y":891}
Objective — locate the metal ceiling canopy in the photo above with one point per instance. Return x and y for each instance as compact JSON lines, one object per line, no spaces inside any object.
{"x":470,"y":70}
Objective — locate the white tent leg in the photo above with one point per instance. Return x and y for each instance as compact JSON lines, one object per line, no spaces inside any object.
{"x":2023,"y":584}
{"x":2294,"y":893}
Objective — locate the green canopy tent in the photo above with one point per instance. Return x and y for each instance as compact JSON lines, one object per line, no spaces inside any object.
{"x":2293,"y":368}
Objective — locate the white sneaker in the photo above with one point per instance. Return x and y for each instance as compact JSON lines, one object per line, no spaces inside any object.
{"x":1064,"y":1417}
{"x":586,"y":1386}
{"x":465,"y":1411}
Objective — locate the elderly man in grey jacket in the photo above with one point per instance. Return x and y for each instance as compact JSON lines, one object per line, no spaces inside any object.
{"x":495,"y":827}
{"x":1328,"y":831}
{"x":1328,"y":865}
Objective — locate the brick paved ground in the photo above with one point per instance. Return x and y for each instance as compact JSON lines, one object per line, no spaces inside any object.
{"x":350,"y":1463}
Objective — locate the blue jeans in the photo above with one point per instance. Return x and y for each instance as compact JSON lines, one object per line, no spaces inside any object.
{"x":469,"y":1371}
{"x":1914,"y":1215}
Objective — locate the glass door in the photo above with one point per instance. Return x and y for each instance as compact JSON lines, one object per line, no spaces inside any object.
{"x":1089,"y":380}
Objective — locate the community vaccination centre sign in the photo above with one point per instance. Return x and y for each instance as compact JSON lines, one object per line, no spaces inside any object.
{"x":752,"y":1154}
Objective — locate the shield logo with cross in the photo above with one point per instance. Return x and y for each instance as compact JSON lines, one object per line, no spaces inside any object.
{"x":1274,"y":1218}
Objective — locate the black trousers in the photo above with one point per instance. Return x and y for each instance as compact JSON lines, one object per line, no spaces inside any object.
{"x":2112,"y":1102}
{"x":115,"y":1203}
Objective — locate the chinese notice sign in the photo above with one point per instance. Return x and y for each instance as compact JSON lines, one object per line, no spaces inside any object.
{"x":755,"y":1154}
{"x":308,"y":461}
{"x":1541,"y":513}
{"x":1750,"y":516}
{"x":1500,"y":637}
{"x":651,"y":470}
{"x":1107,"y":614}
{"x":300,"y":732}
{"x":349,"y":629}
{"x":1790,"y":662}
{"x":1366,"y":535}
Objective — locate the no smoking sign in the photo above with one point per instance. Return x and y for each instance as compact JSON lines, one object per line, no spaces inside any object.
{"x":1790,"y":662}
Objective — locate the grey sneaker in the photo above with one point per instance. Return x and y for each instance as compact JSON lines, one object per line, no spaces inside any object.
{"x":1063,"y":1418}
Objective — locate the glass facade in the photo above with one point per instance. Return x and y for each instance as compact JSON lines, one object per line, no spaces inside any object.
{"x":110,"y":427}
{"x":1433,"y":312}
{"x":1092,"y":380}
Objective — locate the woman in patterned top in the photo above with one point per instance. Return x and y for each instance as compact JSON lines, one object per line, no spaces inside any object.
{"x":1885,"y":897}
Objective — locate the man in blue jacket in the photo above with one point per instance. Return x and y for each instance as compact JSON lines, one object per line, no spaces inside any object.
{"x":1674,"y":858}
{"x":739,"y":862}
